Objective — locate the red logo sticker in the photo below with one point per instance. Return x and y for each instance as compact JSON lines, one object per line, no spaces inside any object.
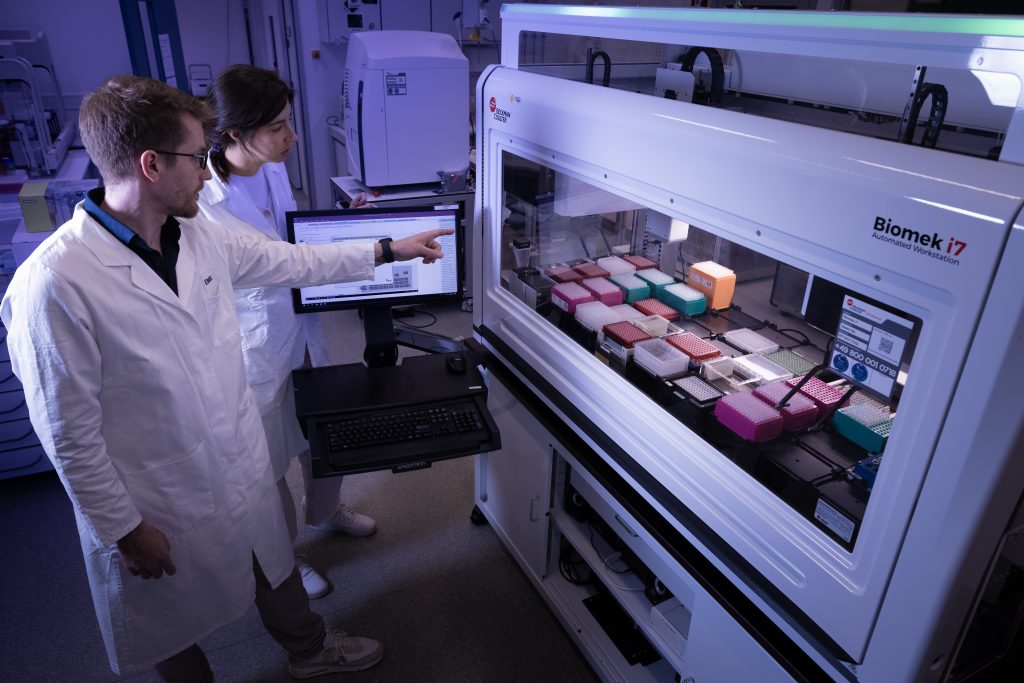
{"x":494,"y":104}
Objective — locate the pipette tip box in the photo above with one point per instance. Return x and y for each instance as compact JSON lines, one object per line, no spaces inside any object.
{"x":594,"y":315}
{"x":604,"y":290}
{"x":625,"y":333}
{"x":615,"y":265}
{"x":588,"y":270}
{"x":620,"y":337}
{"x":684,"y":299}
{"x":655,"y":307}
{"x":798,"y":414}
{"x":640,"y":262}
{"x":863,"y":397}
{"x":824,"y":395}
{"x":716,"y":281}
{"x":864,"y":425}
{"x":562,"y":273}
{"x":627,"y":312}
{"x":568,"y":295}
{"x":655,"y":278}
{"x":633,"y":288}
{"x":749,"y":417}
{"x":699,"y":350}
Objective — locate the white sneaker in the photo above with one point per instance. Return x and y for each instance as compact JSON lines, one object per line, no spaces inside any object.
{"x":316,"y":586}
{"x":341,"y":653}
{"x":349,"y":522}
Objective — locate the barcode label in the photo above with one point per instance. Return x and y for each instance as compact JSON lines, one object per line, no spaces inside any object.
{"x":841,"y":525}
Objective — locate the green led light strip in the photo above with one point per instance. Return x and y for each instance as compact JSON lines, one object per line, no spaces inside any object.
{"x":964,"y":25}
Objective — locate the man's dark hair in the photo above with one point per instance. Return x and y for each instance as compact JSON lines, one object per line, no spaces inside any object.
{"x":128,"y":115}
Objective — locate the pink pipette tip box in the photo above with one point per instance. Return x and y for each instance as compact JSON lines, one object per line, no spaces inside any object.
{"x":798,"y":414}
{"x":749,"y":417}
{"x":605,"y":291}
{"x":568,"y":295}
{"x":824,"y":395}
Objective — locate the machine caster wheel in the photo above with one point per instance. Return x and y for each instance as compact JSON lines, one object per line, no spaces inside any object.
{"x":477,"y":517}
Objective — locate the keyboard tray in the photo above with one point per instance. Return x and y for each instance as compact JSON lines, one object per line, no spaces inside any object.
{"x":361,"y":419}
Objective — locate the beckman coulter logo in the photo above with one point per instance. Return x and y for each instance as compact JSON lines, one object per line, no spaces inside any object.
{"x":498,"y":113}
{"x":930,"y":244}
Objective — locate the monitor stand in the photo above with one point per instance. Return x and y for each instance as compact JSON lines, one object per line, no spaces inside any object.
{"x":381,"y":348}
{"x":382,"y":338}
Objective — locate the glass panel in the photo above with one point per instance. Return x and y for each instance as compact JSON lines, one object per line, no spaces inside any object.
{"x":961,"y":111}
{"x":793,"y":378}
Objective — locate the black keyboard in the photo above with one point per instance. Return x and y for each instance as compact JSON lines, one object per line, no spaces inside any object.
{"x":401,"y":426}
{"x":407,"y":437}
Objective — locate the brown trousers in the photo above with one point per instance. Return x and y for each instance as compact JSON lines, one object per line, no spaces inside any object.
{"x":285,"y":614}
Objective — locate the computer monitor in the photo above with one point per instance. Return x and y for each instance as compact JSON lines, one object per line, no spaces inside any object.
{"x":394,"y":284}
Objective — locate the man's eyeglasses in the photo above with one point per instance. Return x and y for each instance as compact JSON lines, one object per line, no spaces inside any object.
{"x":200,"y":158}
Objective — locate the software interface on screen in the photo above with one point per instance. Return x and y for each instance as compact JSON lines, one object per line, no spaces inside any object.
{"x":392,"y":281}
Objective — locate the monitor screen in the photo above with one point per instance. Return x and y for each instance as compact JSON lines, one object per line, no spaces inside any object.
{"x":394,"y":284}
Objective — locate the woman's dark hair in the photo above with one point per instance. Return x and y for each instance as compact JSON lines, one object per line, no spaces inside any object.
{"x":242,"y":98}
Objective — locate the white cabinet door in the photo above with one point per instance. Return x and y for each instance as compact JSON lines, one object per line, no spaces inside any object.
{"x":514,"y":484}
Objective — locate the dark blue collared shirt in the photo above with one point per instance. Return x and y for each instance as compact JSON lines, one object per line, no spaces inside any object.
{"x":163,"y":264}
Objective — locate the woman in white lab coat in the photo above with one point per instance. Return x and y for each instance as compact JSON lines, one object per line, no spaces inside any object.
{"x":251,"y":136}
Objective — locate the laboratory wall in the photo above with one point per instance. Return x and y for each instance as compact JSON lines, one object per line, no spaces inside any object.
{"x":86,"y":40}
{"x":212,"y":36}
{"x":88,"y":44}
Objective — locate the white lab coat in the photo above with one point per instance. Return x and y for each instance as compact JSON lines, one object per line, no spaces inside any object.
{"x":274,"y":338}
{"x":140,"y":400}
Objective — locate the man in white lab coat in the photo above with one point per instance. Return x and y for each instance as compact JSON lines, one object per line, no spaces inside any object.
{"x":122,"y":328}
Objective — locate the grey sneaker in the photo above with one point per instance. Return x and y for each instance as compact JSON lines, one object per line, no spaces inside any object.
{"x":350,"y":522}
{"x":342,"y":653}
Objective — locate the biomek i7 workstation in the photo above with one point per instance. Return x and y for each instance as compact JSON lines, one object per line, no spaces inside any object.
{"x":752,"y":300}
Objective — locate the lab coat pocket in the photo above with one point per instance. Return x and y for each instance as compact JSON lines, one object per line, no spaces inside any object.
{"x":176,"y":496}
{"x":221,"y":318}
{"x":147,"y":613}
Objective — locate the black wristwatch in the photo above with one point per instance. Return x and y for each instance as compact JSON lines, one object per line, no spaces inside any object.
{"x":385,"y":250}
